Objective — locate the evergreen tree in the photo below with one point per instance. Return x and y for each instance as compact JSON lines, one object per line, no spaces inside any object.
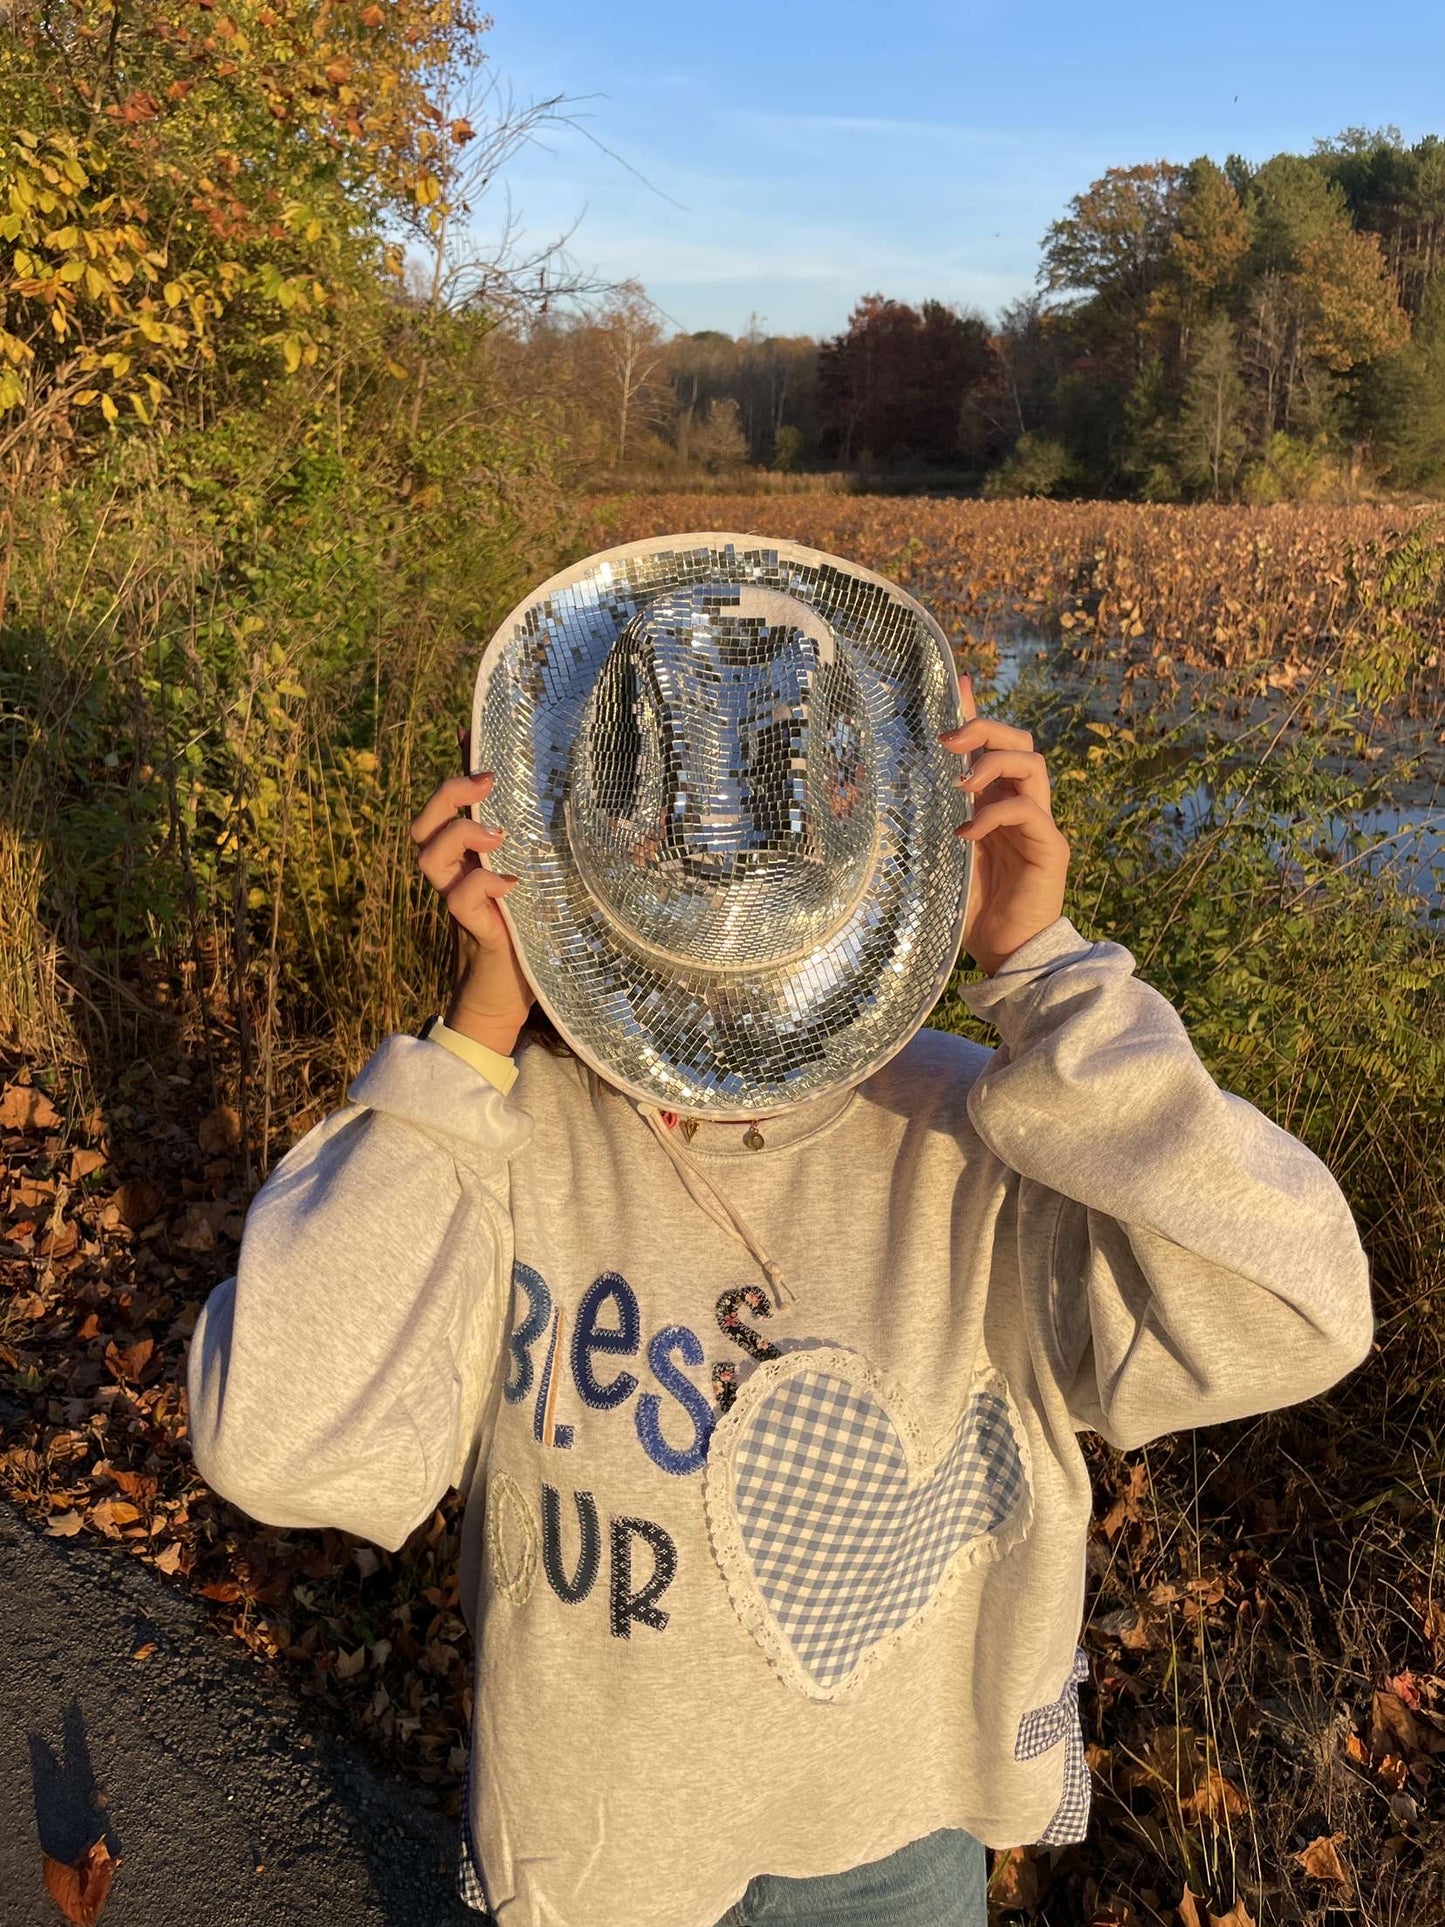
{"x":1405,"y":399}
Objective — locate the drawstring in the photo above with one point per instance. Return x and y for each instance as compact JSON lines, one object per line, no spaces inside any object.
{"x":723,"y":1213}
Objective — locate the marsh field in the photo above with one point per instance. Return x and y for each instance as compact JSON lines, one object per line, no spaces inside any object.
{"x":220,"y":701}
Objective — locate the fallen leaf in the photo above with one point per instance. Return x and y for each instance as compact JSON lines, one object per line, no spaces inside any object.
{"x":1177,"y":1769}
{"x":59,"y":1240}
{"x":1405,"y":1687}
{"x":205,"y":1224}
{"x":226,"y":1591}
{"x":1394,"y":1728}
{"x":1190,"y":1909}
{"x":144,"y":1652}
{"x":80,"y":1890}
{"x":348,"y":1665}
{"x":1212,"y":1797}
{"x":135,"y":1485}
{"x":1018,"y":1879}
{"x":1128,"y":1507}
{"x":23,"y":1108}
{"x":64,"y":1525}
{"x":138,"y":1201}
{"x":1393,"y":1772}
{"x":220,"y":1130}
{"x":109,"y":1515}
{"x":129,"y":1361}
{"x":1321,"y":1859}
{"x":30,"y":1194}
{"x":1238,"y":1916}
{"x":84,"y":1164}
{"x":168,"y":1561}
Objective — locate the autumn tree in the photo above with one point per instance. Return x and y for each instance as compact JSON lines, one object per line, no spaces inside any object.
{"x":1321,"y":300}
{"x":1206,"y":252}
{"x":1111,"y":249}
{"x":892,"y":387}
{"x":190,"y":189}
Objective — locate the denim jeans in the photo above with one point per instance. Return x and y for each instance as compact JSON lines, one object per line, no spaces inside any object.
{"x":940,"y":1881}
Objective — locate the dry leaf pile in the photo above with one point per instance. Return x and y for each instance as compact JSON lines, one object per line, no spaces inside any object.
{"x":114,"y":1231}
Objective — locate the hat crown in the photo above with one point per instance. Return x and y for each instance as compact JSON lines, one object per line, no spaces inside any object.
{"x":719,"y":805}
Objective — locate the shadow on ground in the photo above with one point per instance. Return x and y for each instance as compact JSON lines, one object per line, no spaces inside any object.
{"x":229,"y":1805}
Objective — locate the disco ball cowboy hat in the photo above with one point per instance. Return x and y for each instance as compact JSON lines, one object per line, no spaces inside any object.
{"x":717,"y":764}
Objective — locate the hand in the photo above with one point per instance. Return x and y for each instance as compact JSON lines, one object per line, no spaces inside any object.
{"x":1021,"y":856}
{"x":490,"y":998}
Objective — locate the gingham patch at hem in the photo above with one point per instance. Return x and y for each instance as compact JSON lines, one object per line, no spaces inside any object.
{"x":469,"y":1867}
{"x":837,"y":1529}
{"x":1046,"y":1727}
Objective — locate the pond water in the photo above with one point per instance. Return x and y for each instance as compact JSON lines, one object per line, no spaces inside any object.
{"x":1406,"y":839}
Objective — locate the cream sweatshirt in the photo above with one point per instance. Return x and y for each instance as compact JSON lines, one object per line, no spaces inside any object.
{"x":771,"y":1582}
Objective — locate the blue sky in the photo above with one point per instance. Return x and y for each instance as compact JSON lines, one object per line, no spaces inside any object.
{"x":812,"y":153}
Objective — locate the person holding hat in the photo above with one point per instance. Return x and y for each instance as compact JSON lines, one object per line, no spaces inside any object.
{"x":758,"y":1321}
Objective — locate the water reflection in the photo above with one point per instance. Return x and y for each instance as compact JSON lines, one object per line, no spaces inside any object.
{"x":1408,"y":843}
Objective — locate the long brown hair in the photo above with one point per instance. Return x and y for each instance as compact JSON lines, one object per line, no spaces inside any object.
{"x":539,"y":1029}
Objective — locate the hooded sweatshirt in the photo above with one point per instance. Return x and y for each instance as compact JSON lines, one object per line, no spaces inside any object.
{"x":774,"y":1548}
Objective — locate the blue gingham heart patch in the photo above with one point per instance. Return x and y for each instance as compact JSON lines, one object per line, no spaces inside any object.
{"x":834,"y":1530}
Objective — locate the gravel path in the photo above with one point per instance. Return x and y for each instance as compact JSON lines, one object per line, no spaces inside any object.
{"x":230,"y":1803}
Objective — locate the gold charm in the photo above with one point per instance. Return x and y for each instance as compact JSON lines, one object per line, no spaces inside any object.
{"x":754,"y":1139}
{"x":689,"y":1127}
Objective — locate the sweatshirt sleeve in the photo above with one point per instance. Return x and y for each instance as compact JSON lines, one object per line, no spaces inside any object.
{"x":1197,"y":1263}
{"x":344,"y":1376}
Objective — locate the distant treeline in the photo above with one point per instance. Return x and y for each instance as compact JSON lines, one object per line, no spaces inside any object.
{"x":1201,"y":331}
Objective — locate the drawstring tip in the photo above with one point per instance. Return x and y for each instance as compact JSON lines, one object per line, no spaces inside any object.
{"x":777,"y":1283}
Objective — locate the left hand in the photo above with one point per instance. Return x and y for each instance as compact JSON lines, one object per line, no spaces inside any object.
{"x":1021,"y":856}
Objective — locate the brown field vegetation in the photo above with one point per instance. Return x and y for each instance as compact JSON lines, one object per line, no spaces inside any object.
{"x":1287,"y":589}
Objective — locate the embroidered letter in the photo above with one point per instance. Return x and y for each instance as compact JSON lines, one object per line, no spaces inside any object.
{"x":674,"y":1338}
{"x":570,"y":1591}
{"x":591,"y":1337}
{"x":539,"y":1303}
{"x":641,"y":1605}
{"x":725,"y":1372}
{"x":732,"y":1326}
{"x":511,"y":1539}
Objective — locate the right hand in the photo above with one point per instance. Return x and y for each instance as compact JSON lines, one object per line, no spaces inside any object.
{"x":491,"y":998}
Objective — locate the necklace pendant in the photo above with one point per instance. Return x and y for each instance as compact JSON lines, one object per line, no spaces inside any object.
{"x":754,"y":1139}
{"x":689,"y":1128}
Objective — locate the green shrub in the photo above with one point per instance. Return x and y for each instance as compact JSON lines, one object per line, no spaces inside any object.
{"x":1036,"y":466}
